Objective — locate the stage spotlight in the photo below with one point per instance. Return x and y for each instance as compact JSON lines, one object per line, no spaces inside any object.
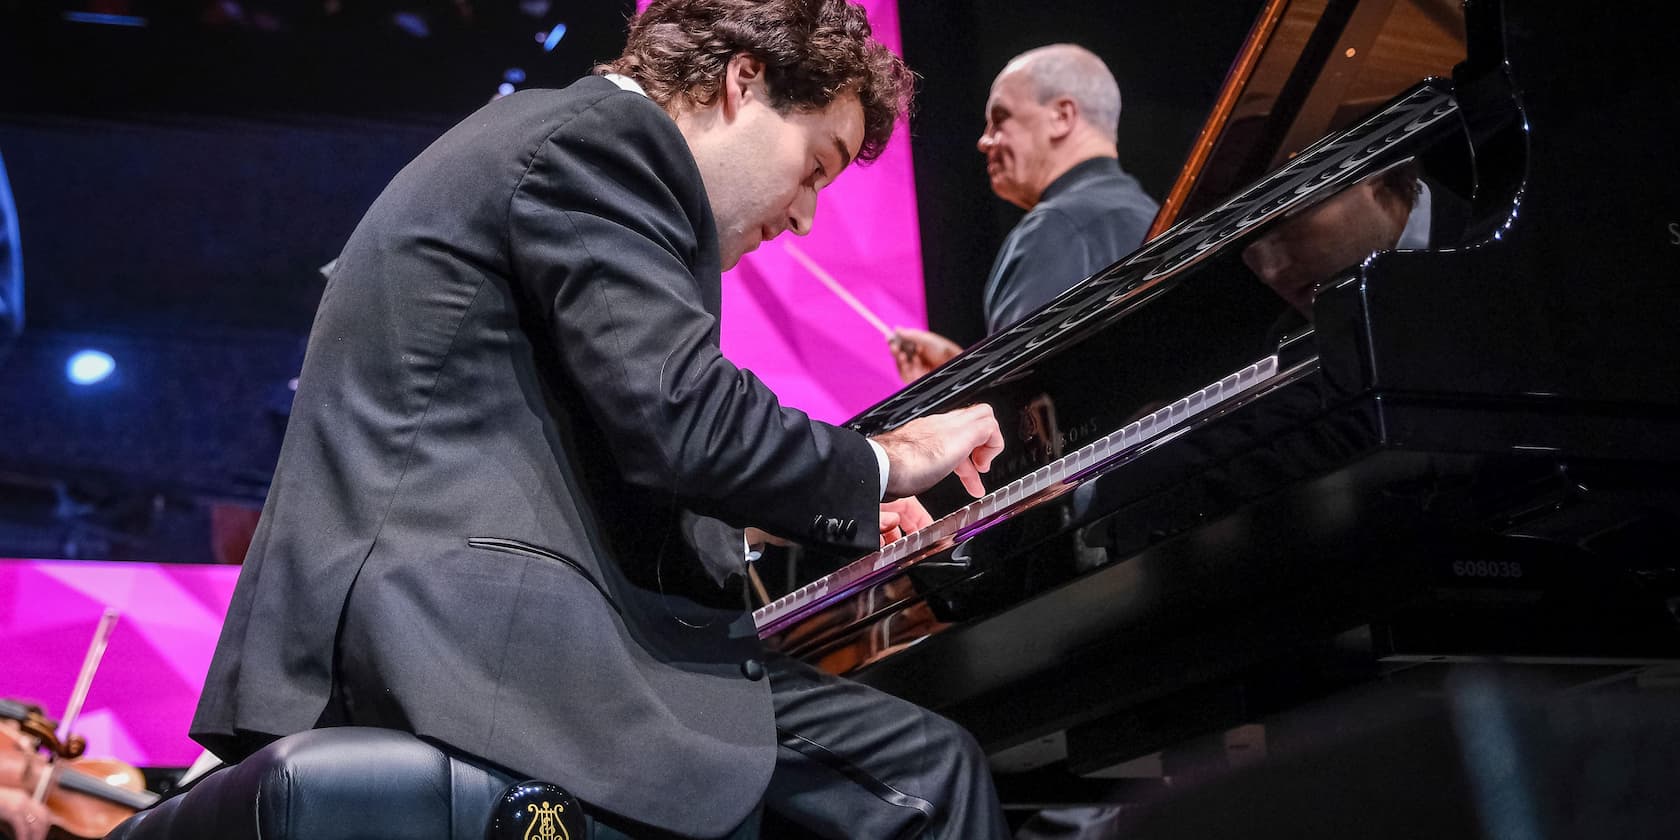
{"x":554,"y":36}
{"x":87,"y":367}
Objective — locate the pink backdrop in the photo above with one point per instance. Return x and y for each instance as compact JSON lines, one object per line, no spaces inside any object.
{"x":143,"y":695}
{"x":782,"y":324}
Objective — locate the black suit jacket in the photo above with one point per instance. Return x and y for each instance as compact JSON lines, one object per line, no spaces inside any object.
{"x":483,"y":527}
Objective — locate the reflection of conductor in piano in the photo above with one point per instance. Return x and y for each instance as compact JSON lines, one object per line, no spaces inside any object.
{"x":1050,"y":147}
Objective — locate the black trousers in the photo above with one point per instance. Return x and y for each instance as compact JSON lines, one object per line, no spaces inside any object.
{"x":853,"y":762}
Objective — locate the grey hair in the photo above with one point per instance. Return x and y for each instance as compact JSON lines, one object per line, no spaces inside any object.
{"x":1077,"y":73}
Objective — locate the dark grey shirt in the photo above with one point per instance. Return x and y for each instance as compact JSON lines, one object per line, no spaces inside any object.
{"x":1086,"y":221}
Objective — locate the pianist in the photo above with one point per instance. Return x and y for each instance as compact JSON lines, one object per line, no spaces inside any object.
{"x":1050,"y":147}
{"x":489,"y":523}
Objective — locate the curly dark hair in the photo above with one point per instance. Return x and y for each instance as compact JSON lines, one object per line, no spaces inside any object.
{"x":813,"y":51}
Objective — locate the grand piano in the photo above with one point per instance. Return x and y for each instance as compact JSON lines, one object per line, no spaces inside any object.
{"x":1214,"y":509}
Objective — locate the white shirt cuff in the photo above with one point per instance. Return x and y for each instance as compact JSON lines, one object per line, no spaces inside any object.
{"x":880,"y":461}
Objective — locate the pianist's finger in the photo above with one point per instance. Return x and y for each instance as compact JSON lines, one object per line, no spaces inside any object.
{"x":912,"y":517}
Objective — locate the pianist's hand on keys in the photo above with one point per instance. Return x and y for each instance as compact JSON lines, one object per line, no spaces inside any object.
{"x":903,"y":516}
{"x":926,"y":449}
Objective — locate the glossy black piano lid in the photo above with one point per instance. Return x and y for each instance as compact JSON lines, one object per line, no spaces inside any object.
{"x":1570,"y":297}
{"x":1515,"y":398}
{"x":1178,"y":314}
{"x":1213,"y":324}
{"x":1576,"y":299}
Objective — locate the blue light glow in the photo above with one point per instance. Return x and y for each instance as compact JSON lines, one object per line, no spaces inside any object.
{"x":412,"y":23}
{"x":89,"y":366}
{"x":108,"y":20}
{"x":504,"y":89}
{"x":514,"y":75}
{"x":554,"y":36}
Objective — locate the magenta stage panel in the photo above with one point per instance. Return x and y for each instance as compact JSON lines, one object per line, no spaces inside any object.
{"x":143,"y":696}
{"x":785,"y":326}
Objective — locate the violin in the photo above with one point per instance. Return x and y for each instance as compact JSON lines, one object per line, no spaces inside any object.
{"x":84,"y":797}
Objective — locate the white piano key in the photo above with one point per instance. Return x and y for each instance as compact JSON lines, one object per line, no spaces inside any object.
{"x":965,"y":517}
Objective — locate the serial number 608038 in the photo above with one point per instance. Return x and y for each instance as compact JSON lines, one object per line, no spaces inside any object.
{"x":1487,"y":569}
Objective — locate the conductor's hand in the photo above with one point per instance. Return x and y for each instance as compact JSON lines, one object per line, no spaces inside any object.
{"x":917,"y":352}
{"x":925,"y":450}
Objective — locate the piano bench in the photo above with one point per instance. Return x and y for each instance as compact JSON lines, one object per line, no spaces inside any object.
{"x":358,"y":783}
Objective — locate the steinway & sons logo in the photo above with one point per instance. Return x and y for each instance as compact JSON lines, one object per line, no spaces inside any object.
{"x":547,"y":824}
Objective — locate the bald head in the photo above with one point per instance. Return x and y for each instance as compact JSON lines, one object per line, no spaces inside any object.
{"x":1049,"y":110}
{"x":1077,"y":73}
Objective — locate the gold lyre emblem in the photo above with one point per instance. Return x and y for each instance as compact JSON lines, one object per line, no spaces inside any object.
{"x":547,"y":823}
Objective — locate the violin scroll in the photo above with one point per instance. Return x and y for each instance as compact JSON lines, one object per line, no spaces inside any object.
{"x":33,"y":723}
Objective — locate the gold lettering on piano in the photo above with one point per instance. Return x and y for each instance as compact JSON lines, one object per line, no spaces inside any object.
{"x":1674,"y":232}
{"x":547,"y":823}
{"x":1042,"y":438}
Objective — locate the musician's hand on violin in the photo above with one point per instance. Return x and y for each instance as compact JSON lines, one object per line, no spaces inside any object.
{"x":902,"y":516}
{"x":925,"y":450}
{"x":918,"y":352}
{"x":27,"y":818}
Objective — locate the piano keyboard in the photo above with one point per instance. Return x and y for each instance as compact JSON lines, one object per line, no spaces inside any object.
{"x":1050,"y":480}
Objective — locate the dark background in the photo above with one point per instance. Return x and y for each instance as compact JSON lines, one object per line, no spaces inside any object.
{"x":177,"y":185}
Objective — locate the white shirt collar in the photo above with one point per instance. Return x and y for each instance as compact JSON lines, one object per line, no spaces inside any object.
{"x":1416,"y":234}
{"x":624,"y":82}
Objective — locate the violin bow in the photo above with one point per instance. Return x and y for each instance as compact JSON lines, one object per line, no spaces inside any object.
{"x":72,"y":710}
{"x":839,"y":291}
